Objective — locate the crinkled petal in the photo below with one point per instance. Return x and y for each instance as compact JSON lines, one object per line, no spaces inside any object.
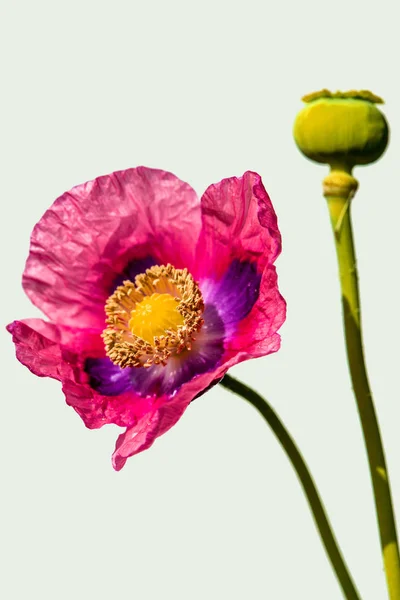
{"x":240,"y":240}
{"x":136,"y":439}
{"x":239,"y":222}
{"x":97,"y":410}
{"x":49,"y":350}
{"x":157,"y":422}
{"x":42,"y":347}
{"x":256,"y":335}
{"x":90,"y":235}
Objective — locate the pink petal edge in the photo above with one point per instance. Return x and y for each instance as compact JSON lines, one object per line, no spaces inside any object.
{"x":238,"y":221}
{"x":82,"y":243}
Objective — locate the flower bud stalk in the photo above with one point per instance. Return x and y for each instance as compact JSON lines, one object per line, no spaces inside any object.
{"x":344,"y":130}
{"x":339,"y":205}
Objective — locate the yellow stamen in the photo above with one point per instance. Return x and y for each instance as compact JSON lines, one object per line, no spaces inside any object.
{"x":154,"y":318}
{"x":154,"y":315}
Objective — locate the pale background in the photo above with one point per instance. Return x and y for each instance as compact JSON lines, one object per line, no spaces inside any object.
{"x":206,"y":90}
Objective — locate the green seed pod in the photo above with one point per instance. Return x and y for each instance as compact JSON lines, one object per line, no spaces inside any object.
{"x":342,"y":129}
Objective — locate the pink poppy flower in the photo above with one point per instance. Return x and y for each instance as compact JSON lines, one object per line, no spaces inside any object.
{"x":188,"y":287}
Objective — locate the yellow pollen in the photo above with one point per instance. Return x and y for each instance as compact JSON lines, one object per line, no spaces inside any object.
{"x":154,"y":316}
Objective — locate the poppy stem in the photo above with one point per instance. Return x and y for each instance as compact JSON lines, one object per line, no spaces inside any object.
{"x":340,"y":213}
{"x":306,"y":480}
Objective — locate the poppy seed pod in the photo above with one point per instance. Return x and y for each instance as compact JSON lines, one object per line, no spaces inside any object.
{"x":342,"y":129}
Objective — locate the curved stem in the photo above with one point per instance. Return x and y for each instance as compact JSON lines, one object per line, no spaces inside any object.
{"x":339,"y":209}
{"x":310,"y":490}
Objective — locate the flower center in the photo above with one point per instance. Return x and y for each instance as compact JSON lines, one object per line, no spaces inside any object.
{"x":153,"y":318}
{"x":154,"y":315}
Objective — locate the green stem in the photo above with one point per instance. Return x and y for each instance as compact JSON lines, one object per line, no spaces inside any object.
{"x":339,"y":208}
{"x":310,"y":490}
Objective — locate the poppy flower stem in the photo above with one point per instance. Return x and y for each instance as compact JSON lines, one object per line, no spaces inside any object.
{"x":340,"y":212}
{"x":306,"y":480}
